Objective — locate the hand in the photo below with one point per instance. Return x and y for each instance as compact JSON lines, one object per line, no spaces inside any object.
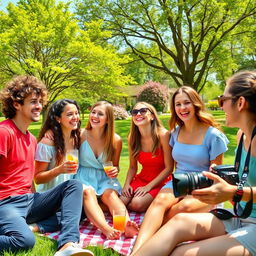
{"x":113,"y":172}
{"x":49,"y":135}
{"x":69,"y":167}
{"x":127,"y":191}
{"x":219,"y":192}
{"x":211,"y":166}
{"x":141,"y":191}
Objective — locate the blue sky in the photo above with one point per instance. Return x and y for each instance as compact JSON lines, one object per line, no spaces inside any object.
{"x":4,"y":3}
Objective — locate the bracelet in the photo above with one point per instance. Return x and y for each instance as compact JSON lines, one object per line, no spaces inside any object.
{"x":238,"y":194}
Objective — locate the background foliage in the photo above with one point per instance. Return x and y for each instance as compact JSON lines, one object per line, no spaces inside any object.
{"x":154,"y":93}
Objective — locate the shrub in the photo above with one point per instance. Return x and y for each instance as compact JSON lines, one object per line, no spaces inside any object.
{"x":154,"y":93}
{"x":213,"y":104}
{"x":119,"y":112}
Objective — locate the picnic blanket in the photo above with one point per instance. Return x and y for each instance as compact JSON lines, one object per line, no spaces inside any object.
{"x":90,"y":235}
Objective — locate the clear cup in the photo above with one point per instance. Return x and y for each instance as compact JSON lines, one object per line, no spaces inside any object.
{"x":107,"y":166}
{"x":119,"y":219}
{"x":72,"y":155}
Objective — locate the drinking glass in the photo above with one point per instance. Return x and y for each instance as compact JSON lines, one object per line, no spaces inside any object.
{"x":72,"y":155}
{"x":107,"y":167}
{"x":119,"y":219}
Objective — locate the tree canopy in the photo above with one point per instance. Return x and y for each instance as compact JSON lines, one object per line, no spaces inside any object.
{"x":43,"y":38}
{"x":182,"y":38}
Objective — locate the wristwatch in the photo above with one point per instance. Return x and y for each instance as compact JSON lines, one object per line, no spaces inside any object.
{"x":238,"y":194}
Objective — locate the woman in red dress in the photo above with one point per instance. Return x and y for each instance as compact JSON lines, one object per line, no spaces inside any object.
{"x":149,"y":146}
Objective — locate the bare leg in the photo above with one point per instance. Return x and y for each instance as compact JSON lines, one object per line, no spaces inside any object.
{"x":96,"y":215}
{"x":125,"y":200}
{"x":220,"y":245}
{"x":187,"y":204}
{"x":140,"y":203}
{"x":154,"y":216}
{"x":111,"y":199}
{"x":182,"y":227}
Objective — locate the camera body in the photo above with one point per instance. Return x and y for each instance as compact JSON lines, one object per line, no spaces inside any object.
{"x":185,"y":183}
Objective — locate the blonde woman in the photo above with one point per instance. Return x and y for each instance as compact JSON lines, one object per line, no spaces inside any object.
{"x":148,"y":146}
{"x":100,"y":143}
{"x":196,"y":143}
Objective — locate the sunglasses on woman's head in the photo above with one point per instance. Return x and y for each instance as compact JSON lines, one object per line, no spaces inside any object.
{"x":223,"y":98}
{"x":142,"y":111}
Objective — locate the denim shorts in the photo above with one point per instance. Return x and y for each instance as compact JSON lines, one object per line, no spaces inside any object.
{"x":243,"y":230}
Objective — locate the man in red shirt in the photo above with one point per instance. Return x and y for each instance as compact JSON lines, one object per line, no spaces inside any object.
{"x":22,"y":102}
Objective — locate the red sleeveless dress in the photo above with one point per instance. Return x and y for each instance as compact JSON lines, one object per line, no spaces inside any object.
{"x":152,"y":165}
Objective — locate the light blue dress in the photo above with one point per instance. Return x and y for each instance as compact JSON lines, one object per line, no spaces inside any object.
{"x":196,"y":158}
{"x":46,"y":153}
{"x":91,"y":172}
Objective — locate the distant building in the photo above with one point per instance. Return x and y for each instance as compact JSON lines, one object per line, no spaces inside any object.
{"x":130,"y":95}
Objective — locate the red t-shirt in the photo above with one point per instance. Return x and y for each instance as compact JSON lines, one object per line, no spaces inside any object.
{"x":17,"y":151}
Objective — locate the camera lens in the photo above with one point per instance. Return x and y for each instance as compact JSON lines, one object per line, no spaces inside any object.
{"x":185,"y":183}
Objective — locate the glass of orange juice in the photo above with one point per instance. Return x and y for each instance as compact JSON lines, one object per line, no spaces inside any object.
{"x":119,"y":219}
{"x":108,"y":165}
{"x":72,"y":155}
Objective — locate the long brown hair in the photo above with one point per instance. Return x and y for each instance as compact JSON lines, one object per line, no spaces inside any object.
{"x":199,"y":106}
{"x":51,"y":123}
{"x":134,"y":136}
{"x":109,"y":129}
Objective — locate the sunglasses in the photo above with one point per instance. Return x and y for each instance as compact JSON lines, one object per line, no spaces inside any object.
{"x":142,"y":111}
{"x":223,"y":98}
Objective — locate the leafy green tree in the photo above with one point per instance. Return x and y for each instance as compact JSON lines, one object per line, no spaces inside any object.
{"x":43,"y":38}
{"x":185,"y":34}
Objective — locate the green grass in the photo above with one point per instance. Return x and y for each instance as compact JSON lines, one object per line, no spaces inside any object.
{"x":45,"y":246}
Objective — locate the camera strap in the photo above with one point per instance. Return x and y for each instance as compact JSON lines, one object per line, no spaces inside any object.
{"x":239,"y":212}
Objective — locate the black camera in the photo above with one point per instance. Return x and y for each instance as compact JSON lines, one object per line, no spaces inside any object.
{"x":185,"y":183}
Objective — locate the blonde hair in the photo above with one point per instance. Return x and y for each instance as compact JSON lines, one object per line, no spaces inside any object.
{"x":198,"y":104}
{"x":135,"y":136}
{"x":109,"y":129}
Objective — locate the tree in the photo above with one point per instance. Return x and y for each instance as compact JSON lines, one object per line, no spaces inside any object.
{"x":185,"y":34}
{"x":42,"y":38}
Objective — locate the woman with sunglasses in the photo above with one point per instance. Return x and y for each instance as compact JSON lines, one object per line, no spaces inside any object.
{"x":148,"y":145}
{"x":196,"y":143}
{"x":214,"y":234}
{"x":100,"y":143}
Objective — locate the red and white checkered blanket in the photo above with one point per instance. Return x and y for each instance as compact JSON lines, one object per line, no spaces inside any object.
{"x":90,"y":235}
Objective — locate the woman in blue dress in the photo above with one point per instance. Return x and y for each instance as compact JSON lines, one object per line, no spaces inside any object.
{"x":196,"y":143}
{"x":213,"y":234}
{"x":62,"y":124}
{"x":100,"y":143}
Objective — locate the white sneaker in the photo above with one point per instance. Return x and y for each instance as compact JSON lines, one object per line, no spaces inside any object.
{"x":74,"y":250}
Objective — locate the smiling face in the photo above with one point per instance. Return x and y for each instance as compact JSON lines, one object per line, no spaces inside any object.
{"x":184,"y":107}
{"x":142,"y":115}
{"x":98,"y":116}
{"x":69,"y":118}
{"x":31,"y":108}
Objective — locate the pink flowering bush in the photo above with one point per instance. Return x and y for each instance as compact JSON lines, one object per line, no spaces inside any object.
{"x":119,"y":112}
{"x":154,"y":93}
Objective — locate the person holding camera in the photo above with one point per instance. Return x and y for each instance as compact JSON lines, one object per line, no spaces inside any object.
{"x":196,"y":143}
{"x":220,"y":232}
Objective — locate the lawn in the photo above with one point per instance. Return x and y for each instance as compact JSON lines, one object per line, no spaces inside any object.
{"x":45,"y":246}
